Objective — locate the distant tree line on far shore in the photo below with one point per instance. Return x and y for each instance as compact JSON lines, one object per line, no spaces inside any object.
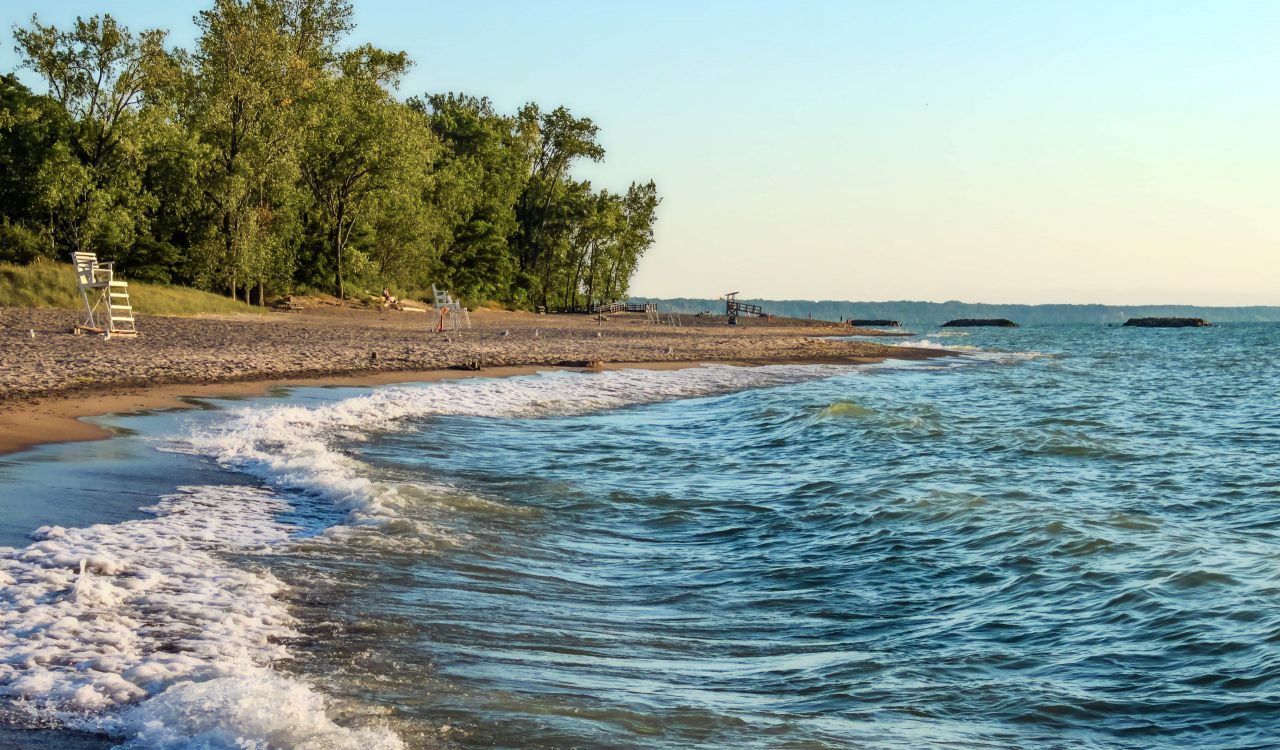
{"x":932,"y":313}
{"x":274,"y":156}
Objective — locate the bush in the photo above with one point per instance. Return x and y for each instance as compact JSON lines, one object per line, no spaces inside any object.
{"x":19,"y":244}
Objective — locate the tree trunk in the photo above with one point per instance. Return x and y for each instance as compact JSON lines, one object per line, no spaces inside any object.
{"x":577,"y":277}
{"x":337,"y":248}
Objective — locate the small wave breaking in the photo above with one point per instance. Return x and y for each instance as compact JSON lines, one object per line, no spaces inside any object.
{"x":291,"y":446}
{"x":142,"y":631}
{"x":145,"y":631}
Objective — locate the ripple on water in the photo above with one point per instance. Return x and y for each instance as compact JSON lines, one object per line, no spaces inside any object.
{"x":1002,"y":551}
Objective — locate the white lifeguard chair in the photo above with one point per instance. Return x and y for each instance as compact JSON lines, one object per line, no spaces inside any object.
{"x":450,"y":309}
{"x":106,"y":300}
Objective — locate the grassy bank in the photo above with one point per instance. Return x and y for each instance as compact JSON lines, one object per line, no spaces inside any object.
{"x":54,"y":285}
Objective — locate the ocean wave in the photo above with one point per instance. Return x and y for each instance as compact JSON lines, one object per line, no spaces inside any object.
{"x":973,"y":352}
{"x":141,"y":630}
{"x":144,"y":631}
{"x":291,"y":446}
{"x":927,"y":344}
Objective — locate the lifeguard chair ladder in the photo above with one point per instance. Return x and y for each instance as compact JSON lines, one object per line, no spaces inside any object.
{"x":107,"y":309}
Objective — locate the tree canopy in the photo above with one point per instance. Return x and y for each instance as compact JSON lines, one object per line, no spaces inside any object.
{"x":275,"y":156}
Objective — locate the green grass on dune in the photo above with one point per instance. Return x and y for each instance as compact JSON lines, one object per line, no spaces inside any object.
{"x":54,"y":285}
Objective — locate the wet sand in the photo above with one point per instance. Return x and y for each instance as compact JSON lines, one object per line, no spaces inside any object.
{"x":50,"y":378}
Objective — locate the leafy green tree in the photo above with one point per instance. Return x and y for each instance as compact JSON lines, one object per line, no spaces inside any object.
{"x":634,"y":237}
{"x":99,"y":72}
{"x":34,"y":130}
{"x":269,"y":156}
{"x":254,"y":59}
{"x":478,"y":178}
{"x":561,"y":140}
{"x":364,"y":151}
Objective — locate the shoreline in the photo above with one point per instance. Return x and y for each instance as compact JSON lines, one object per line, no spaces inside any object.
{"x":60,"y":418}
{"x":50,"y":380}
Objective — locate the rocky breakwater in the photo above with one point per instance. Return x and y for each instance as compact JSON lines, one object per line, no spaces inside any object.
{"x":980,"y":322}
{"x":1167,"y":323}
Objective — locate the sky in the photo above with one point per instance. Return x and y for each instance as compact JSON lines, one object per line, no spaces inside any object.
{"x":1017,"y":152}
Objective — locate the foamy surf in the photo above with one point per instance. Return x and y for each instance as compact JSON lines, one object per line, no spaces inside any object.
{"x":144,"y":631}
{"x":291,"y":447}
{"x":970,"y":352}
{"x":141,"y":630}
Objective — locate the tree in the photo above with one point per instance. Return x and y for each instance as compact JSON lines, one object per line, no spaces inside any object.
{"x":269,"y":156}
{"x":34,"y":131}
{"x":99,"y":72}
{"x":479,"y":176}
{"x":254,"y":59}
{"x":364,"y":150}
{"x":633,"y":238}
{"x":562,"y":139}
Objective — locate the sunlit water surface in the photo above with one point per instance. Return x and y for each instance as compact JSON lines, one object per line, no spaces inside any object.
{"x":1066,"y":537}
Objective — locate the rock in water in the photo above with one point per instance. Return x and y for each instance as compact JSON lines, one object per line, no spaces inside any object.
{"x":980,"y":322}
{"x":1167,"y":322}
{"x":877,"y":323}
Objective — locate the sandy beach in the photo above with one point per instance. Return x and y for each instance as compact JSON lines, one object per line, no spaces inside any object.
{"x":49,"y":377}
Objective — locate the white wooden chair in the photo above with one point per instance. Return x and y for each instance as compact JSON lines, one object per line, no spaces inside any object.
{"x":106,"y":299}
{"x":449,"y":308}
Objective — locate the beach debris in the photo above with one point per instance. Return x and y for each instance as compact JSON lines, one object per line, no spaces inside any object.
{"x":505,"y":332}
{"x":599,"y":334}
{"x":470,"y":366}
{"x":373,"y":356}
{"x":670,"y":350}
{"x":536,"y":334}
{"x":33,"y":333}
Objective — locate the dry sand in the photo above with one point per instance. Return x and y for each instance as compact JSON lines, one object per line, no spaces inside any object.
{"x":49,"y":381}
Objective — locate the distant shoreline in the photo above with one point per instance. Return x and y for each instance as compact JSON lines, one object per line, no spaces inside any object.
{"x":55,"y":380}
{"x":914,"y":312}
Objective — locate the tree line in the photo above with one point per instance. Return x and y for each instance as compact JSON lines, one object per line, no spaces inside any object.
{"x":275,"y":156}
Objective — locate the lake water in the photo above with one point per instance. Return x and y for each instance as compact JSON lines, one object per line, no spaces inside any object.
{"x":1064,"y":537}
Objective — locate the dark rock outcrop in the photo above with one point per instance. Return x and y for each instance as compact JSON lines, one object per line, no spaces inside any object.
{"x":1167,"y":322}
{"x":877,"y":323}
{"x":977,"y":322}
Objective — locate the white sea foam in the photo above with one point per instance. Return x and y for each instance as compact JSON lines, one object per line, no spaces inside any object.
{"x":290,"y":446}
{"x":971,"y":352}
{"x":142,"y":630}
{"x":145,"y":631}
{"x":927,"y":344}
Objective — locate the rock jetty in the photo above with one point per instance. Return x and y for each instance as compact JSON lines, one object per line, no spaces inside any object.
{"x":980,"y":322}
{"x":878,"y":323}
{"x":1167,"y":322}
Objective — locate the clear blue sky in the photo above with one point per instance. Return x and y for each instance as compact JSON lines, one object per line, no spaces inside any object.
{"x":1005,"y":152}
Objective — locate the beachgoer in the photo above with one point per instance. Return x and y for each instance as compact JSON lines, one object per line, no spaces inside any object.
{"x":440,"y":323}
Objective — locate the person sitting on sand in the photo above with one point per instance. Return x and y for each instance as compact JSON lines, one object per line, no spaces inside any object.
{"x":388,"y":299}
